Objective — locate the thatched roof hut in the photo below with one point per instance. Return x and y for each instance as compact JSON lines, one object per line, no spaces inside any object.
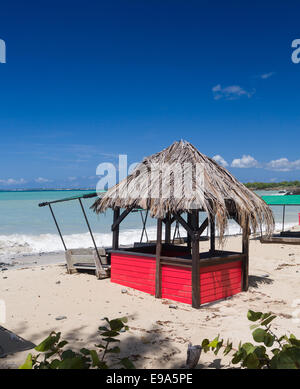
{"x":213,"y":190}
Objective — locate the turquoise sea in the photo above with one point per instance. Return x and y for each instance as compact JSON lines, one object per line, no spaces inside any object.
{"x":26,"y":228}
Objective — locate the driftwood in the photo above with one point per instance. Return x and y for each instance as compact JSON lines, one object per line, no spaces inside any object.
{"x":193,"y":356}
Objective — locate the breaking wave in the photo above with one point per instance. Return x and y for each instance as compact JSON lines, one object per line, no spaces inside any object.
{"x":16,"y":245}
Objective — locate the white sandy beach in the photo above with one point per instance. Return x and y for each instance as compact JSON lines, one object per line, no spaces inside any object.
{"x":159,"y":335}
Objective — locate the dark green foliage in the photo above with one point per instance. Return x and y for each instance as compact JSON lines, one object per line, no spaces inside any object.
{"x":271,"y":185}
{"x":54,"y":357}
{"x":285,"y":355}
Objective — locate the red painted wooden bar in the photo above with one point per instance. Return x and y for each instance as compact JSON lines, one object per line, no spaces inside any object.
{"x":218,"y":278}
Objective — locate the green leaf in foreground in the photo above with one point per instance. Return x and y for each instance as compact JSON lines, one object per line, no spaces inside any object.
{"x":127,"y":363}
{"x":268,"y":320}
{"x":28,"y":363}
{"x":46,"y":344}
{"x":259,"y":335}
{"x":253,"y":316}
{"x":285,"y":354}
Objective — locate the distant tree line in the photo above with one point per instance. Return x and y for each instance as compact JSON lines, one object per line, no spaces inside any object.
{"x":271,"y":185}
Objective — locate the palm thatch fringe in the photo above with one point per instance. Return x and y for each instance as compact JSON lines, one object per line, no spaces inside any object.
{"x":179,"y":179}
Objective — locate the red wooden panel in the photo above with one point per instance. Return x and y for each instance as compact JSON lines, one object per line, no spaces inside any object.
{"x":138,"y":272}
{"x":220,"y":278}
{"x":219,"y":296}
{"x":125,"y":277}
{"x":185,"y":300}
{"x":134,"y":271}
{"x":229,"y":272}
{"x":143,"y":263}
{"x":177,"y":272}
{"x":142,"y":287}
{"x":177,"y":287}
{"x":220,"y":281}
{"x":219,"y":289}
{"x":176,"y":283}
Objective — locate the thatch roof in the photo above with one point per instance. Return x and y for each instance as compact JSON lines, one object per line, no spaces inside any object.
{"x":214,"y":190}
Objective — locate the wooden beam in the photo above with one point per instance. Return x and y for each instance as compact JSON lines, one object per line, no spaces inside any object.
{"x":158,"y":254}
{"x":203,"y":226}
{"x":168,"y":229}
{"x":184,"y":224}
{"x":280,"y":239}
{"x":195,"y":261}
{"x":189,"y":239}
{"x":245,"y":250}
{"x":212,"y":234}
{"x":115,"y":242}
{"x":121,"y":217}
{"x":203,"y":262}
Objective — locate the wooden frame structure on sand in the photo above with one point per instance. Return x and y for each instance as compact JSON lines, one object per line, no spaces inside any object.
{"x":180,"y":273}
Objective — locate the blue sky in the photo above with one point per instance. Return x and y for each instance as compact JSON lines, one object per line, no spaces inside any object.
{"x":86,"y":81}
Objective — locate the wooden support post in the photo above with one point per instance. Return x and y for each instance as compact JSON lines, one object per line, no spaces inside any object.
{"x":168,"y":229}
{"x":189,"y":240}
{"x":195,"y":261}
{"x":116,"y":230}
{"x":245,"y":268}
{"x":212,"y":234}
{"x":158,"y":255}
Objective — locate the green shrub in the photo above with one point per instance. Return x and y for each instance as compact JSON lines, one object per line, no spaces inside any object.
{"x":272,"y":352}
{"x":53,"y":356}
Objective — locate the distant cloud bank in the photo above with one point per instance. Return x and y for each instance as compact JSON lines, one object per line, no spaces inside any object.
{"x":220,"y":160}
{"x":231,"y":92}
{"x":12,"y":181}
{"x":247,"y":162}
{"x":244,"y":162}
{"x":283,"y":165}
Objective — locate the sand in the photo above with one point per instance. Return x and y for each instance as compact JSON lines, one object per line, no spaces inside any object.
{"x":158,"y":335}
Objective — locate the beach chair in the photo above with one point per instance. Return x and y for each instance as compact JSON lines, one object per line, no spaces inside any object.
{"x":88,"y":259}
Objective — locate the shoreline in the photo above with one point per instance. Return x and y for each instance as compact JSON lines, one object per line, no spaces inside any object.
{"x":58,"y":257}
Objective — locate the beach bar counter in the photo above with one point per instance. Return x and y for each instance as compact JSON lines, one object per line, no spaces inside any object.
{"x":220,"y":274}
{"x":184,"y":273}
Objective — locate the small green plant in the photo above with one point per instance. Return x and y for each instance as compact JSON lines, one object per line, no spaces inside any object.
{"x":53,"y":356}
{"x":283,"y":352}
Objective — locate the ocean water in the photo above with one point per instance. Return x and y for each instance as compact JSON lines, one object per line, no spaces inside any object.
{"x":26,"y":228}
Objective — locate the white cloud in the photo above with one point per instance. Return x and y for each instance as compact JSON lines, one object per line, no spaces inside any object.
{"x":283,"y":165}
{"x":72,"y":178}
{"x":245,"y":162}
{"x":12,"y":181}
{"x":220,"y":160}
{"x":41,"y":180}
{"x":267,"y":75}
{"x":231,"y":92}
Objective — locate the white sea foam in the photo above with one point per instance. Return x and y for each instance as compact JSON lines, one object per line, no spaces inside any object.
{"x":16,"y":245}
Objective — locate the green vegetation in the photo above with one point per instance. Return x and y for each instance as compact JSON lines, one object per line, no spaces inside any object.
{"x":273,"y":185}
{"x":52,"y":355}
{"x":284,"y":351}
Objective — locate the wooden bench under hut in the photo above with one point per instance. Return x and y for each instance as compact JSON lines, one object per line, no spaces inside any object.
{"x":181,"y":272}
